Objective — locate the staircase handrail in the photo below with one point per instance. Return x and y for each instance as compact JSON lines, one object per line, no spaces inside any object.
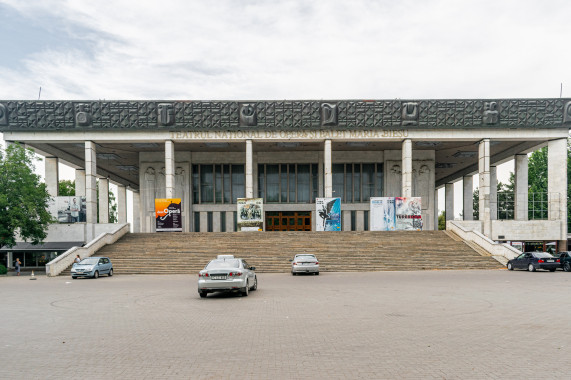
{"x":60,"y":263}
{"x":476,"y":237}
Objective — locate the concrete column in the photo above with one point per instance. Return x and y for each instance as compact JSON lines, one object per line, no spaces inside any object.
{"x":484,"y":186}
{"x":90,"y":182}
{"x":52,"y":175}
{"x":249,"y":170}
{"x":493,"y":192}
{"x":137,"y":212}
{"x":169,"y":169}
{"x":435,"y":209}
{"x":320,"y":182}
{"x":80,"y":182}
{"x":521,"y":187}
{"x":203,"y":221}
{"x":121,"y":204}
{"x":557,"y":186}
{"x":103,"y":200}
{"x":327,"y":169}
{"x":449,"y":201}
{"x":406,"y":168}
{"x":360,"y":220}
{"x":346,"y":220}
{"x":229,"y":221}
{"x":468,"y":197}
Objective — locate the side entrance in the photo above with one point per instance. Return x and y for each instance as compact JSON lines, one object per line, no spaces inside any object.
{"x":288,"y":221}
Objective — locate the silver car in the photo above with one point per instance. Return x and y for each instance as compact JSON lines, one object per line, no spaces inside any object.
{"x":92,"y":267}
{"x":226,"y":273}
{"x":305,"y":263}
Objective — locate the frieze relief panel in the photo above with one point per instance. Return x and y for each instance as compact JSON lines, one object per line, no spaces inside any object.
{"x":283,"y":115}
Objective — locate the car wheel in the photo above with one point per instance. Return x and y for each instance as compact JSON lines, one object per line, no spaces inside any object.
{"x":96,"y":274}
{"x":246,"y":290}
{"x":255,"y":287}
{"x":531,"y":268}
{"x":552,"y":269}
{"x":510,"y":266}
{"x":110,"y":272}
{"x":567,"y":267}
{"x":202,"y":294}
{"x":292,"y":273}
{"x":74,"y":277}
{"x":317,"y":273}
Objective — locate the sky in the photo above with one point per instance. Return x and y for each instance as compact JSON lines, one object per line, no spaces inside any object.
{"x":299,"y":49}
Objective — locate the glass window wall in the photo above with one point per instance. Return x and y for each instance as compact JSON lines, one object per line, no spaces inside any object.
{"x":288,"y":183}
{"x":355,"y":183}
{"x":217,"y":183}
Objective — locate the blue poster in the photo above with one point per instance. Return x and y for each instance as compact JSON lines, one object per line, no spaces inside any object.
{"x":328,"y":214}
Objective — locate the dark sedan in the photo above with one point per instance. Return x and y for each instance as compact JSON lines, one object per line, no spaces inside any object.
{"x":533,"y":261}
{"x":565,"y":258}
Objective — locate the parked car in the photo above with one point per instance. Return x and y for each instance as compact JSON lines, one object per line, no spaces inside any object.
{"x":533,"y":261}
{"x":227,"y":273}
{"x":92,"y":267}
{"x":565,"y":258}
{"x":304,"y":263}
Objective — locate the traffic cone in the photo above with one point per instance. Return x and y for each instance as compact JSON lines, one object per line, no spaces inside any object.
{"x":33,"y":277}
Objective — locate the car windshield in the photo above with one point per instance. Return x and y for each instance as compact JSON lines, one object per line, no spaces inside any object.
{"x":305,"y":257}
{"x":89,"y":261}
{"x":228,"y":263}
{"x":542,"y":255}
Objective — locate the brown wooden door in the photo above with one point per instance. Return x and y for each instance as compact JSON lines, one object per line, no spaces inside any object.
{"x":288,"y":221}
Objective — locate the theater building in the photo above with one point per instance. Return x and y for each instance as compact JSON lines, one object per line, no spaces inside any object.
{"x":209,"y":153}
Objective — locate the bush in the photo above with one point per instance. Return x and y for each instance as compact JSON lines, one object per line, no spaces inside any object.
{"x":3,"y":269}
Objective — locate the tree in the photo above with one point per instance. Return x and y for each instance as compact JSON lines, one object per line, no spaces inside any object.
{"x":442,"y":220}
{"x":23,"y":198}
{"x":66,"y":187}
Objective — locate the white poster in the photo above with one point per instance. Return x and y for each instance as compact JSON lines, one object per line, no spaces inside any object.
{"x":328,"y":214}
{"x":250,"y":213}
{"x":382,"y":214}
{"x":69,"y":209}
{"x":395,"y":213}
{"x":408,"y":213}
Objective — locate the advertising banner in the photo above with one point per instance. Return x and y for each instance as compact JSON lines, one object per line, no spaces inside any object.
{"x":408,"y":213}
{"x":250,"y":215}
{"x":168,"y":214}
{"x":68,"y":209}
{"x":328,"y":214}
{"x":395,"y":213}
{"x":382,"y":214}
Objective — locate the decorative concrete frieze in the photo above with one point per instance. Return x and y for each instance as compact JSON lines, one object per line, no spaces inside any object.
{"x":3,"y":114}
{"x":567,"y":113}
{"x":248,"y":116}
{"x":165,"y":114}
{"x":491,"y":114}
{"x":83,"y":115}
{"x":409,"y":113}
{"x":328,"y":114}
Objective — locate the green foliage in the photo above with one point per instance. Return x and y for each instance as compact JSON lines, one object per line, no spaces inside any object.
{"x":23,"y":198}
{"x":537,"y":171}
{"x":112,"y":207}
{"x":3,"y":269}
{"x":66,"y":187}
{"x":442,"y":220}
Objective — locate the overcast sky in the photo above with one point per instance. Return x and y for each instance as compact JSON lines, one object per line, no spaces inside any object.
{"x":233,"y":49}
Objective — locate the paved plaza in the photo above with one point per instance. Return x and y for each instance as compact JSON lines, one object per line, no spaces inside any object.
{"x":383,"y":325}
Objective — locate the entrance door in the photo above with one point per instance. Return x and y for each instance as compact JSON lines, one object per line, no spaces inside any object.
{"x":288,"y":221}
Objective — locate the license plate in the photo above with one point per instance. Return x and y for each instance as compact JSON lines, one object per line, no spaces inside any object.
{"x":218,"y":277}
{"x":549,"y":261}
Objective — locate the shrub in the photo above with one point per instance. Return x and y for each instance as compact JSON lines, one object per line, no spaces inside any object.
{"x":3,"y":269}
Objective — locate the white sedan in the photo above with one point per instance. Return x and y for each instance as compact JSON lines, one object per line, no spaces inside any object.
{"x":227,"y":273}
{"x":305,"y":263}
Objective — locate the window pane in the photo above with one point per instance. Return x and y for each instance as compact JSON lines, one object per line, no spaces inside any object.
{"x":368,"y":181}
{"x":283,"y":183}
{"x":238,"y":182}
{"x":303,"y":183}
{"x":349,"y":183}
{"x":315,"y":183}
{"x":272,"y":183}
{"x":218,"y":183}
{"x":195,"y":185}
{"x":261,"y":181}
{"x":291,"y":183}
{"x":227,"y":193}
{"x":206,"y":184}
{"x":379,"y":181}
{"x":357,"y":183}
{"x":196,"y":222}
{"x":338,"y":175}
{"x":222,"y":221}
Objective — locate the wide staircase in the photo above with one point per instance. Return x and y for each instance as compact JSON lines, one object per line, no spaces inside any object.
{"x":270,"y":252}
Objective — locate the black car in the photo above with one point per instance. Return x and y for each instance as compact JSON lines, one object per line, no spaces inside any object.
{"x":535,"y":260}
{"x":565,"y":258}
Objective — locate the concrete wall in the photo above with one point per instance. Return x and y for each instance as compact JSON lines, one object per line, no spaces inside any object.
{"x":527,"y":230}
